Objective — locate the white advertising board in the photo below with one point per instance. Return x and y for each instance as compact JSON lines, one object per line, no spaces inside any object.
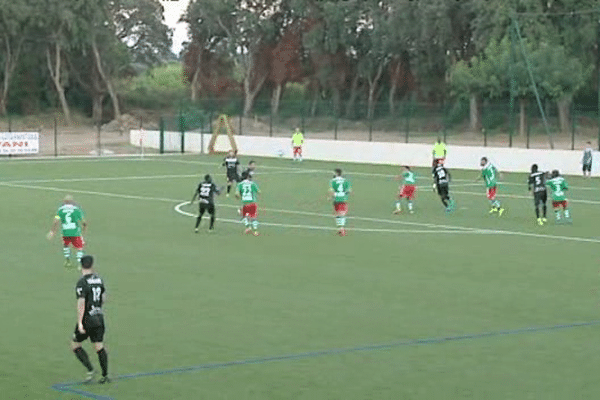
{"x":19,"y":143}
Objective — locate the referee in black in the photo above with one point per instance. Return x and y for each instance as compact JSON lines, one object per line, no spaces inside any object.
{"x":537,"y":185}
{"x":206,"y":191}
{"x":91,"y":294}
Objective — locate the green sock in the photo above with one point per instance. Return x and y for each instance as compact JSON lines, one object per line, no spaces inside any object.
{"x":67,"y":252}
{"x":255,"y":224}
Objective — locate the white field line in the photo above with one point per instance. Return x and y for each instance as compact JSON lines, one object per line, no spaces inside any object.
{"x":459,"y":228}
{"x":515,"y":196}
{"x":142,"y":177}
{"x":468,"y":182}
{"x":328,"y":228}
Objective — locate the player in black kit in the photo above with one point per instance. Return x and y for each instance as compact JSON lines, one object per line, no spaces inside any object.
{"x":231,"y":163}
{"x":441,"y":179}
{"x":250,"y":170}
{"x":206,"y":193}
{"x":537,"y":184}
{"x":91,"y":295}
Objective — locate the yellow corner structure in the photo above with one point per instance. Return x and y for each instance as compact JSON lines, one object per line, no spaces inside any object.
{"x":222,"y":123}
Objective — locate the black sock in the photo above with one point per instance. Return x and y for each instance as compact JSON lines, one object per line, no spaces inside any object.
{"x":228,"y":188}
{"x":212,"y":221}
{"x":445,"y":201}
{"x":83,"y":357}
{"x":199,"y":219}
{"x":103,"y":358}
{"x":544,"y":210}
{"x":537,"y":211}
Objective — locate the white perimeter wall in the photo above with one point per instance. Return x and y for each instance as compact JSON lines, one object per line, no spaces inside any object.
{"x":418,"y":155}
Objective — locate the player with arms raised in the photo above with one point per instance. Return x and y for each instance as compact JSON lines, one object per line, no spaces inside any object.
{"x":537,"y":185}
{"x":558,"y":186}
{"x":490,"y":175}
{"x":248,"y":191}
{"x":71,"y":220}
{"x":407,"y":190}
{"x":231,"y":164}
{"x":339,"y":190}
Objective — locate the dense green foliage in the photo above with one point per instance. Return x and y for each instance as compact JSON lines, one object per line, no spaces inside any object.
{"x":69,"y":53}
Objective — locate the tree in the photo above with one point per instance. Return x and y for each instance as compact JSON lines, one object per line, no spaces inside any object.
{"x":15,"y":25}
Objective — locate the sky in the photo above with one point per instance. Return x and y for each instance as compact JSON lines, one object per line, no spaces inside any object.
{"x":173,"y":11}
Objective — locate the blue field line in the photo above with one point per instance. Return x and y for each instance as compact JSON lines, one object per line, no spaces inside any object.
{"x":69,"y":387}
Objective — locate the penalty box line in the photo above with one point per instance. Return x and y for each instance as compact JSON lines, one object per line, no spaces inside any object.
{"x":458,"y":228}
{"x":69,"y":387}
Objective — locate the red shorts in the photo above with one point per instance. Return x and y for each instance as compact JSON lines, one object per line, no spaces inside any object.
{"x":250,"y":210}
{"x":297,"y":150}
{"x":340,"y":208}
{"x":557,"y":204}
{"x":75,"y":241}
{"x":491,"y":193}
{"x":408,"y":192}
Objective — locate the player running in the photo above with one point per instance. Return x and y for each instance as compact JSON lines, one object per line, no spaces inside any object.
{"x":558,"y":186}
{"x":248,"y":191}
{"x":441,"y":179}
{"x":407,"y":190}
{"x":71,"y":220}
{"x":490,"y":175}
{"x":206,"y":193}
{"x":537,"y":185}
{"x":231,"y":163}
{"x":339,"y":190}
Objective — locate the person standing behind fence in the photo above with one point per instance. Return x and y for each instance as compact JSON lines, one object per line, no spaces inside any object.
{"x":587,"y":160}
{"x":297,"y":142}
{"x":439,"y":152}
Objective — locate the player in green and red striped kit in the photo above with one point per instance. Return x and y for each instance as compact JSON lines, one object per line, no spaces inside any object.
{"x":339,"y":190}
{"x":248,"y":191}
{"x":490,"y":175}
{"x":407,"y":190}
{"x":558,"y":186}
{"x":71,"y":220}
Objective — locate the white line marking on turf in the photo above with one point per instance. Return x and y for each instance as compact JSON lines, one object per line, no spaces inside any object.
{"x":515,"y":196}
{"x":459,"y":228}
{"x":326,"y":228}
{"x":108,"y":178}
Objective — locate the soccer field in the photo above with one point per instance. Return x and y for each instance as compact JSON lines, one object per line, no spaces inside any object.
{"x":423,"y":306}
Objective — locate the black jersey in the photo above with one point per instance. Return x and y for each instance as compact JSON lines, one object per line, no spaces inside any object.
{"x":91,"y":288}
{"x":232,"y":164}
{"x":248,"y":172}
{"x":537,"y":182}
{"x":441,"y":176}
{"x":206,"y":192}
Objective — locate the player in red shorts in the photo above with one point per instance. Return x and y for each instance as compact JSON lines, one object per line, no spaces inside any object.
{"x":297,"y":142}
{"x":339,"y":190}
{"x":247,"y":191}
{"x":407,"y":191}
{"x":71,"y":220}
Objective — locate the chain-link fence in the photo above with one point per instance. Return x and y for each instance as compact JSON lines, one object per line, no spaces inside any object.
{"x":492,"y":124}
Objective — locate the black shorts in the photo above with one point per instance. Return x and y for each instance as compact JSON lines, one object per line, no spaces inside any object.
{"x":540,"y":198}
{"x":204,"y":207}
{"x":587,"y":167}
{"x":232,"y":176}
{"x":96,"y":334}
{"x":443,"y":190}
